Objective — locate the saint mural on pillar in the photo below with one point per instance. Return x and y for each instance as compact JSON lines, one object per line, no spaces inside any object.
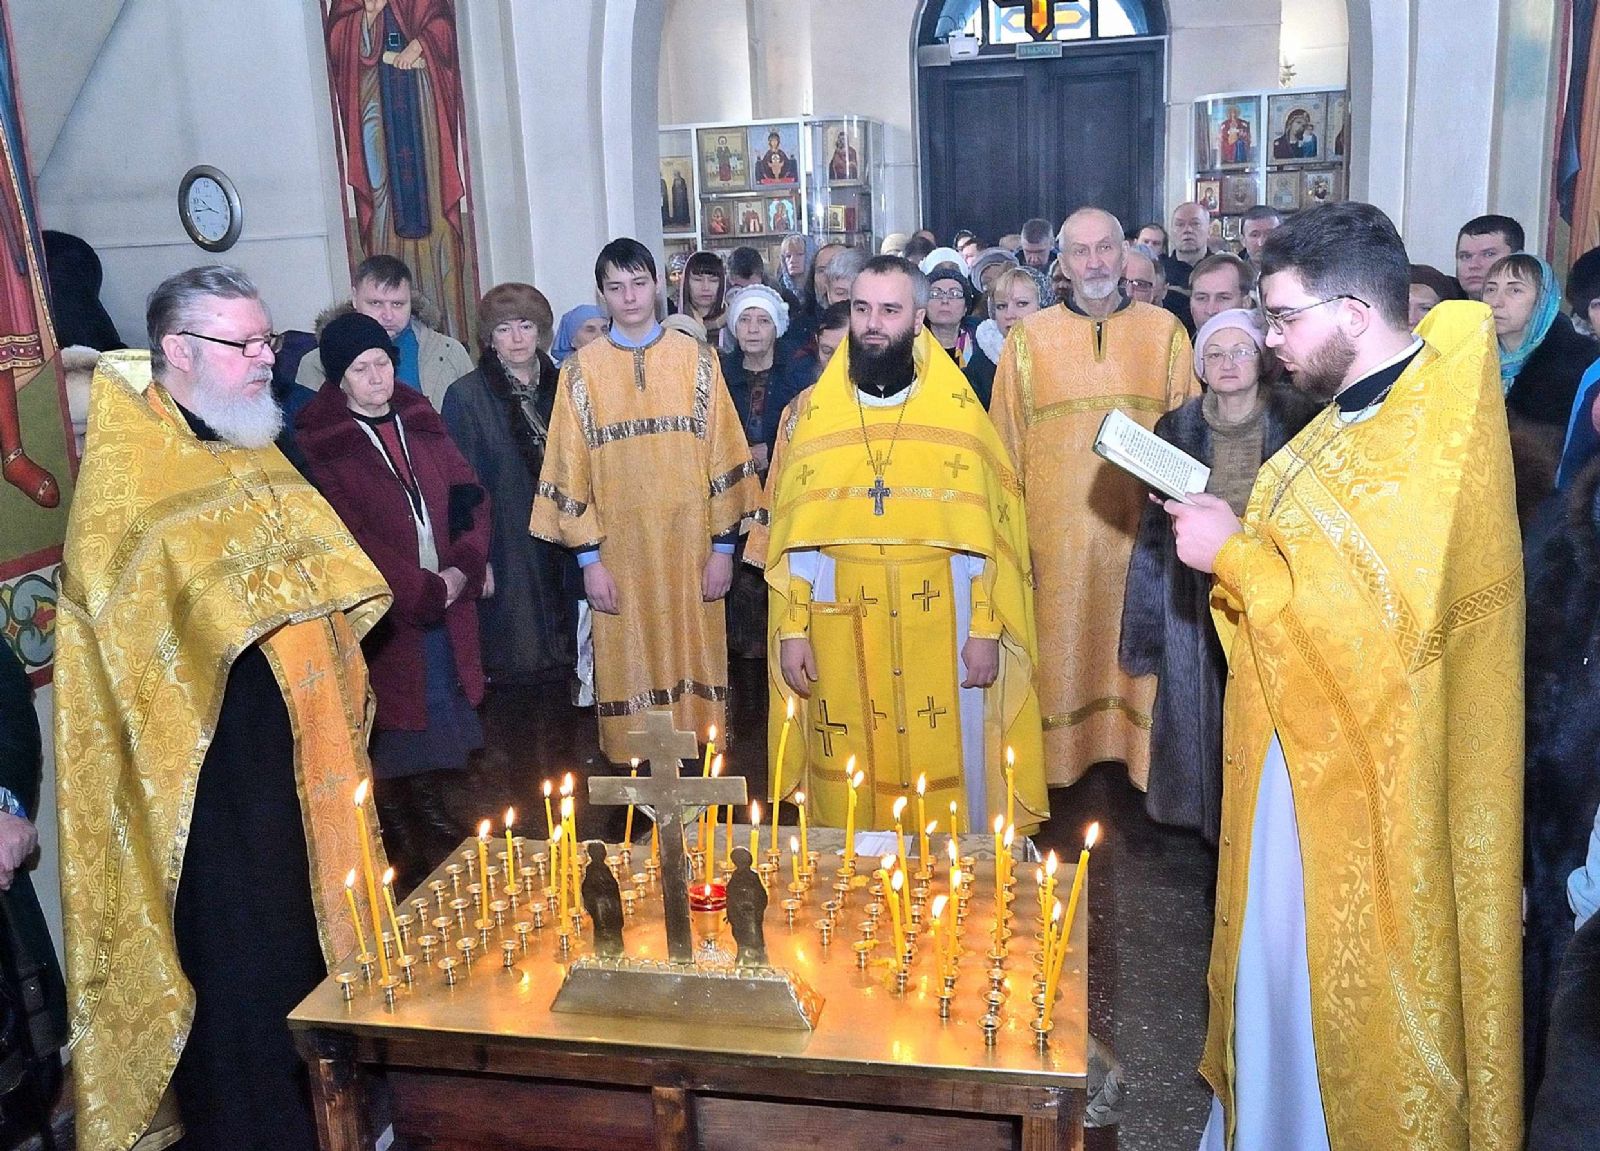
{"x":395,"y":73}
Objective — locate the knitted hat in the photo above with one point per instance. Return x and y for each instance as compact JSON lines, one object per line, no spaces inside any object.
{"x":345,"y":338}
{"x":944,"y":271}
{"x":514,"y":301}
{"x":763,"y":297}
{"x":943,"y":256}
{"x":988,"y":258}
{"x":1241,"y":318}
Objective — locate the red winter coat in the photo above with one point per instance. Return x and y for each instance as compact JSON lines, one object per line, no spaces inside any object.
{"x":351,"y":472}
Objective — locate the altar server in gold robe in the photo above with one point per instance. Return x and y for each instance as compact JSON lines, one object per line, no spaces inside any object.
{"x":1061,"y":371}
{"x":1365,"y":984}
{"x":210,"y":735}
{"x":899,"y":594}
{"x":647,"y":476}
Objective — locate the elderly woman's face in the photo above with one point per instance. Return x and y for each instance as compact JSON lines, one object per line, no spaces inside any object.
{"x":1232,"y":360}
{"x":368,"y":383}
{"x":755,"y":332}
{"x":589,"y":331}
{"x":516,"y":342}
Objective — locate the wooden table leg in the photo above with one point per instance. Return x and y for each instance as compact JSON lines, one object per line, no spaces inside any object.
{"x":1055,"y":1128}
{"x":674,"y":1130}
{"x":338,"y":1090}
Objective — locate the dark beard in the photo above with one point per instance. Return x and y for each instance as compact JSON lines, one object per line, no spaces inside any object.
{"x":883,"y":372}
{"x":1322,"y":376}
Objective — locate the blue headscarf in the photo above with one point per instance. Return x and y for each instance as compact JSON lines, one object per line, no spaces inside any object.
{"x":1582,"y":444}
{"x":1544,"y":314}
{"x":568,"y":329}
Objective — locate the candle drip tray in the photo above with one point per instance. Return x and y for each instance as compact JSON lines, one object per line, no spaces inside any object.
{"x":702,"y":993}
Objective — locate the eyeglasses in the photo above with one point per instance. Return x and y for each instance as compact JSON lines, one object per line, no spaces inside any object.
{"x":947,"y":294}
{"x":251,"y":347}
{"x":1275,"y":320}
{"x":1141,"y":285}
{"x":1232,"y":355}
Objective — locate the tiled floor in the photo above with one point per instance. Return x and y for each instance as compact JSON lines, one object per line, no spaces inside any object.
{"x":1150,"y":892}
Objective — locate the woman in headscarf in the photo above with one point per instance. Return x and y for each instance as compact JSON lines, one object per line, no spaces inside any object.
{"x":579,"y":327}
{"x":702,"y":293}
{"x":1232,"y":427}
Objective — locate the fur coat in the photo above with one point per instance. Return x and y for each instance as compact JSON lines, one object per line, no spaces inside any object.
{"x":1167,"y":632}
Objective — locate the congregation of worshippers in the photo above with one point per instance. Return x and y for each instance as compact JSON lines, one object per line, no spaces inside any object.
{"x":1355,"y":664}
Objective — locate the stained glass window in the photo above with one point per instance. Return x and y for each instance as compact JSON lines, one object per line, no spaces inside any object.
{"x":1001,"y":24}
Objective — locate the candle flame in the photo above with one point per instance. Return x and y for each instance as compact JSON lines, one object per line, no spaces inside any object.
{"x":1011,"y":756}
{"x":566,"y":784}
{"x":511,"y":817}
{"x":361,"y":792}
{"x":555,"y":834}
{"x":856,"y":779}
{"x":850,"y":767}
{"x":933,"y":825}
{"x":999,"y":824}
{"x":483,"y":830}
{"x":794,"y":844}
{"x":755,"y":814}
{"x":716,"y":766}
{"x":922,"y":784}
{"x":388,"y":876}
{"x":634,"y":762}
{"x":1051,"y":863}
{"x":788,"y":709}
{"x":1038,"y":875}
{"x":712,"y":738}
{"x":566,"y":807}
{"x":899,"y":806}
{"x":898,"y":880}
{"x":547,"y":789}
{"x":955,"y":878}
{"x":350,"y":879}
{"x":938,"y":905}
{"x":799,"y":799}
{"x":888,"y":862}
{"x":1055,"y":912}
{"x":1093,"y":837}
{"x":951,"y":845}
{"x":1011,"y":836}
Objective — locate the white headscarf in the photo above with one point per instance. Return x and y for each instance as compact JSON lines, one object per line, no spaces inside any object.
{"x":763,"y":297}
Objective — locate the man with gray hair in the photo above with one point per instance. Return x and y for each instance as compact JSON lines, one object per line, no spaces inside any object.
{"x":1062,"y":370}
{"x":1037,"y":250}
{"x":208,"y":643}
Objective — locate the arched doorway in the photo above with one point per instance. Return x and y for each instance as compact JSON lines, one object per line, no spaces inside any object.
{"x":1043,"y":119}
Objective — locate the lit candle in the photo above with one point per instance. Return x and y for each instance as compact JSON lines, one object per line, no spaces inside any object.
{"x":896,"y":882}
{"x":558,"y":873}
{"x":955,"y":913}
{"x":483,"y":870}
{"x":1011,"y":785}
{"x":511,"y":851}
{"x":855,"y":778}
{"x":1066,"y":922}
{"x":955,"y":858}
{"x":936,"y":929}
{"x":999,"y":879}
{"x":711,"y":751}
{"x":777,"y":766}
{"x":1005,"y":844}
{"x":1048,"y":896}
{"x":549,"y":819}
{"x":368,"y":874}
{"x":925,"y":860}
{"x":794,"y":859}
{"x":569,"y":839}
{"x":355,"y":914}
{"x":805,"y":841}
{"x":627,"y":826}
{"x":1052,"y":927}
{"x":922,"y":819}
{"x":727,"y":839}
{"x":899,"y":831}
{"x":394,"y":920}
{"x":708,"y":845}
{"x":955,"y":821}
{"x":755,"y":832}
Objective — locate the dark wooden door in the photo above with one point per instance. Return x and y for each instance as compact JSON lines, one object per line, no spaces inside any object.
{"x":1006,"y":139}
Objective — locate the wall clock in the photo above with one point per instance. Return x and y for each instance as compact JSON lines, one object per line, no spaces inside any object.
{"x":209,"y":207}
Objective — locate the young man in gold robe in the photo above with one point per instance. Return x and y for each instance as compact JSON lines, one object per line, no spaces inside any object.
{"x":1062,"y":370}
{"x":647,"y":476}
{"x":896,"y":555}
{"x":210,"y":735}
{"x":1365,"y":970}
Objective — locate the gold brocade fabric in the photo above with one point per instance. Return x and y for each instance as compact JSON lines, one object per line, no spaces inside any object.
{"x":179,"y":555}
{"x":1059,"y":375}
{"x":1372,"y":610}
{"x":887,"y":646}
{"x":647,"y":461}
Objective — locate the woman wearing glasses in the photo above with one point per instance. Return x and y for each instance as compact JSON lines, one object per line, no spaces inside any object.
{"x":1238,"y":421}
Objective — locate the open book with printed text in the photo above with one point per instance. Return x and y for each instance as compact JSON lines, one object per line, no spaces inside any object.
{"x":1149,"y":458}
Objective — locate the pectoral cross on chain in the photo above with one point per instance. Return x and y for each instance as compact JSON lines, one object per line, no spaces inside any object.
{"x":879,"y":492}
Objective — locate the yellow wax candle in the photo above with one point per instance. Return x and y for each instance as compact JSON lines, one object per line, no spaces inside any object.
{"x":369,"y":875}
{"x":1011,"y":785}
{"x":711,"y":751}
{"x":511,"y":852}
{"x":955,"y":914}
{"x":1052,"y":926}
{"x":355,"y":914}
{"x":1048,"y":896}
{"x":955,"y":820}
{"x":855,"y":777}
{"x":394,"y":920}
{"x":549,"y":819}
{"x":483,"y":870}
{"x":655,"y":842}
{"x":777,"y":764}
{"x":896,"y":882}
{"x":755,"y":832}
{"x":1005,"y":845}
{"x":955,"y":858}
{"x":925,"y":860}
{"x":727,"y":839}
{"x":627,"y":826}
{"x":569,"y":826}
{"x":922,"y":820}
{"x":900,"y":832}
{"x":805,"y":840}
{"x":708,"y":845}
{"x":999,"y":879}
{"x":1072,"y":910}
{"x":936,"y":927}
{"x":558,"y":873}
{"x":794,"y":859}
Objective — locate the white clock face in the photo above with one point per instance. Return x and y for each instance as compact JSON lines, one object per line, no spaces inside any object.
{"x":208,"y":209}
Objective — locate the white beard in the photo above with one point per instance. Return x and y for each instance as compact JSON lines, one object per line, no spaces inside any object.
{"x":1098,"y":290}
{"x":245,"y":422}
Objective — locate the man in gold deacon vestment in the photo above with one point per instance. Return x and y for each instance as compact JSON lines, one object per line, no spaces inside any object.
{"x":896,"y":544}
{"x":1365,"y":984}
{"x":1062,"y":370}
{"x":210,"y":733}
{"x":647,"y":477}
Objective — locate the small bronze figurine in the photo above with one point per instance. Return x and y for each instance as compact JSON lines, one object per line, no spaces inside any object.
{"x":747,"y":907}
{"x":602,"y":899}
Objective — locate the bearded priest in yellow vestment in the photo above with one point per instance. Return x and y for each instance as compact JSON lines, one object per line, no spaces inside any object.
{"x":900,"y":602}
{"x":211,"y":727}
{"x":1365,"y":967}
{"x":1061,"y":371}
